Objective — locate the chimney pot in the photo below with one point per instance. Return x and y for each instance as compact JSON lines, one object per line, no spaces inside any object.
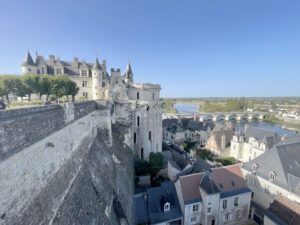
{"x":76,"y":62}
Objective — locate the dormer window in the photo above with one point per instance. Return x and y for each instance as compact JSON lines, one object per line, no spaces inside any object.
{"x":84,"y":73}
{"x":58,"y":71}
{"x":166,"y":207}
{"x":255,"y":167}
{"x":272,"y":175}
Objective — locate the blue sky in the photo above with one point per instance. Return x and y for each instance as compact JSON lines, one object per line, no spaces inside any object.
{"x":193,"y":48}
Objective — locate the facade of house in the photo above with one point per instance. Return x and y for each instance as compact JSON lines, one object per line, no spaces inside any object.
{"x":139,"y":102}
{"x":219,"y":140}
{"x":158,"y":205}
{"x":275,"y":172}
{"x":254,"y":142}
{"x":218,"y":196}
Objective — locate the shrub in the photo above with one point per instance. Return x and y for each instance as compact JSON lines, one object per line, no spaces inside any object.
{"x":142,"y":167}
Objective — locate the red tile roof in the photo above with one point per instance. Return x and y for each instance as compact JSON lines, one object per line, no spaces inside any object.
{"x":230,"y":177}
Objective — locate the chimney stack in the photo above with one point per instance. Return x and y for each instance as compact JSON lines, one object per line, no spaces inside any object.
{"x":76,"y":62}
{"x":195,"y":117}
{"x":52,"y":59}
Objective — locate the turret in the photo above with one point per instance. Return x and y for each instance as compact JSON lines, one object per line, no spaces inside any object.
{"x":28,"y":66}
{"x":128,"y":74}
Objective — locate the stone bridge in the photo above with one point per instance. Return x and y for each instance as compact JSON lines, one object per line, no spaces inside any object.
{"x":230,"y":116}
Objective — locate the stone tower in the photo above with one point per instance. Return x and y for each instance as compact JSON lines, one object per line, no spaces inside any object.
{"x":28,"y":66}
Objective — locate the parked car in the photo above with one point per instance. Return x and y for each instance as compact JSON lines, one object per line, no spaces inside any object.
{"x":47,"y":103}
{"x":2,"y":105}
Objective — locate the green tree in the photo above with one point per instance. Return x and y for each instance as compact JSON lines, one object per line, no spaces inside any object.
{"x":8,"y":86}
{"x":156,"y":162}
{"x":45,"y":82}
{"x":31,"y":82}
{"x":59,"y":86}
{"x":72,"y":89}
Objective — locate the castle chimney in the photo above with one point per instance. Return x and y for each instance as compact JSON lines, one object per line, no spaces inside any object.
{"x":52,"y":59}
{"x":76,"y":62}
{"x":195,"y":117}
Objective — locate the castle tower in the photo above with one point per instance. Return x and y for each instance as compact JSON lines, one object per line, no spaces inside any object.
{"x":28,"y":66}
{"x":128,"y":74}
{"x":97,"y":80}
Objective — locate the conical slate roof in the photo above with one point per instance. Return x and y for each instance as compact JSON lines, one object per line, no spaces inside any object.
{"x":96,"y":65}
{"x":128,"y":72}
{"x":28,"y":60}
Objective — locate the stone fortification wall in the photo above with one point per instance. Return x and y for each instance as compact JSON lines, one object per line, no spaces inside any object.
{"x":23,"y":127}
{"x":76,"y":170}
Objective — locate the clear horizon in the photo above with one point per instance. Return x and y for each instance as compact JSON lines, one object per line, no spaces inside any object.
{"x":194,"y":49}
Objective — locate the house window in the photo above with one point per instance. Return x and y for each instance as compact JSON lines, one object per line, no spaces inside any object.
{"x":149,"y":135}
{"x":255,"y":167}
{"x":58,"y":71}
{"x":226,"y":216}
{"x":138,"y":121}
{"x":85,"y":94}
{"x":238,"y":214}
{"x":236,"y":202}
{"x":266,"y":190}
{"x":194,"y":219}
{"x":138,"y":95}
{"x":209,"y":203}
{"x":225,"y":204}
{"x":103,"y":84}
{"x":84,"y":83}
{"x":209,"y":210}
{"x":195,"y":208}
{"x":134,"y":137}
{"x":84,"y":73}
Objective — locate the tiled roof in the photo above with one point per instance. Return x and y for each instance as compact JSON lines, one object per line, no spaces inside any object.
{"x":228,"y":179}
{"x":284,"y":211}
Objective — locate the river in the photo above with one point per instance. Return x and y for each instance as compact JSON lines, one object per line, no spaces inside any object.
{"x":238,"y":125}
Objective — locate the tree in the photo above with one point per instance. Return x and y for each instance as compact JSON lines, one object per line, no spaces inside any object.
{"x":31,"y":82}
{"x":59,"y":86}
{"x":72,"y":89}
{"x":8,"y":85}
{"x":45,"y":82}
{"x":156,"y":162}
{"x":20,"y":88}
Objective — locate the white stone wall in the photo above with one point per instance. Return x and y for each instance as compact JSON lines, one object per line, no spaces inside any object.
{"x":28,"y":171}
{"x":88,"y":89}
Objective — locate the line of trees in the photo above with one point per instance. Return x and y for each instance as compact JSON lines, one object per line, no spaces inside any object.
{"x":231,"y":104}
{"x":26,"y":85}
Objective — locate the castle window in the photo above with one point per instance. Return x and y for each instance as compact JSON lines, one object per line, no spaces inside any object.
{"x":43,"y":71}
{"x":153,"y":96}
{"x":142,"y":153}
{"x":84,"y":73}
{"x":29,"y":69}
{"x":149,"y":135}
{"x":137,"y":95}
{"x":194,"y":219}
{"x":103,"y":84}
{"x":134,"y":137}
{"x":58,"y":71}
{"x":85,"y":94}
{"x":148,"y":107}
{"x":84,"y":83}
{"x":138,"y":121}
{"x":209,"y":210}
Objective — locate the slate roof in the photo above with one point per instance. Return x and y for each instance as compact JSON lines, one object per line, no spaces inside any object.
{"x":167,"y":192}
{"x":195,"y":125}
{"x":286,"y":157}
{"x":269,"y":137}
{"x":227,"y":181}
{"x":283,"y":211}
{"x":28,"y":60}
{"x":128,"y":72}
{"x":208,"y":185}
{"x":141,"y":208}
{"x":199,"y":166}
{"x":96,"y":65}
